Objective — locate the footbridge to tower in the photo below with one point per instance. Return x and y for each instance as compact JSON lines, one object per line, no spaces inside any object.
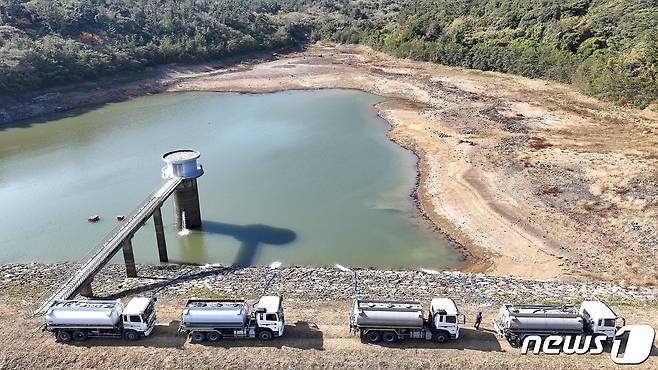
{"x":180,"y":174}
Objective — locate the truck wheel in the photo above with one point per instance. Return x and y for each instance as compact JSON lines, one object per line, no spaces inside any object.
{"x":214,"y":336}
{"x":131,"y":335}
{"x":441,"y":337}
{"x":198,"y":336}
{"x":373,"y":337}
{"x":390,"y":337}
{"x":80,"y":336}
{"x":64,"y":336}
{"x":265,"y":335}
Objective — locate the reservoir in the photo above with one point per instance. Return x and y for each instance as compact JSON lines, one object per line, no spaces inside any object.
{"x":301,"y":177}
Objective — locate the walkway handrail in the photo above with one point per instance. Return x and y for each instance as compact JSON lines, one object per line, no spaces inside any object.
{"x":108,"y":246}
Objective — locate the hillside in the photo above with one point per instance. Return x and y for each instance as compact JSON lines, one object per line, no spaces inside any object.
{"x":607,"y":48}
{"x":53,"y":42}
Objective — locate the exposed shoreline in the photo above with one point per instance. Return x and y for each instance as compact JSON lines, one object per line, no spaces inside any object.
{"x":470,"y":262}
{"x":483,"y":141}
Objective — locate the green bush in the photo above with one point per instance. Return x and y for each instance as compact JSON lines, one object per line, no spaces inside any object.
{"x":53,"y":42}
{"x":607,"y":48}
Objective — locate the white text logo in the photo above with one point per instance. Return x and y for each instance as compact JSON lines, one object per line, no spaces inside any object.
{"x":636,"y":346}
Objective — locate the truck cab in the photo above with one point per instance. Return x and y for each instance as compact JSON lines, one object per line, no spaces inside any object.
{"x":444,"y":317}
{"x":599,"y":318}
{"x":138,"y":317}
{"x":268,"y":312}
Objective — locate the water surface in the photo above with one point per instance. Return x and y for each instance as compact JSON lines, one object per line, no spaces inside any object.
{"x":304,"y":177}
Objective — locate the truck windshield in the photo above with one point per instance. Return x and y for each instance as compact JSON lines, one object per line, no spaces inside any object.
{"x":451,"y":319}
{"x":609,"y":322}
{"x":148,"y":311}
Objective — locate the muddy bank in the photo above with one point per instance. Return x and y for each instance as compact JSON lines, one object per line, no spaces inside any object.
{"x":509,"y":166}
{"x":529,"y":177}
{"x":152,"y":80}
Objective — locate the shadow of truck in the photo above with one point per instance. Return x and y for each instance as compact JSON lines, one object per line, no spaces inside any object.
{"x":301,"y":335}
{"x":469,"y":339}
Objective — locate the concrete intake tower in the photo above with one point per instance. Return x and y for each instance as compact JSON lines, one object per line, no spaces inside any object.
{"x":183,"y":164}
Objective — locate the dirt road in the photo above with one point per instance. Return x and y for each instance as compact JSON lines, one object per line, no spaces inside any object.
{"x":316,"y":337}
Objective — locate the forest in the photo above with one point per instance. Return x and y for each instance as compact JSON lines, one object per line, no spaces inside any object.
{"x":606,"y":48}
{"x":52,"y":42}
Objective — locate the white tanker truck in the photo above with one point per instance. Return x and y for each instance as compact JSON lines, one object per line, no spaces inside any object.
{"x":79,"y":320}
{"x":519,"y":321}
{"x":214,"y":319}
{"x":390,"y":321}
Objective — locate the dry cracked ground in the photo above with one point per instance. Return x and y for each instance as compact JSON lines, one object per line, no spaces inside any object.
{"x":529,"y":177}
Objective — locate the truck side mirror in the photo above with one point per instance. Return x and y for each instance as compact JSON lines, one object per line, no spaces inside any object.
{"x":623,"y":321}
{"x":463,"y":319}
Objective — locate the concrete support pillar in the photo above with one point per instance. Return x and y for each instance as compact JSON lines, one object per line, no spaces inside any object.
{"x":186,"y":201}
{"x":86,"y":291}
{"x":159,"y":235}
{"x":129,"y":258}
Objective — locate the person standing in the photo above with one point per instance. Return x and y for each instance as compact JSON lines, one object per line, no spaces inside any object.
{"x":478,"y":321}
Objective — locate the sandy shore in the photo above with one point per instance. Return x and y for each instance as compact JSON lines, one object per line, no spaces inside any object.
{"x":529,"y":177}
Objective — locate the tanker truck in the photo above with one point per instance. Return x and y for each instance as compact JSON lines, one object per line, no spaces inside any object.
{"x":519,"y":321}
{"x":215,"y":319}
{"x":82,"y":319}
{"x":390,"y":321}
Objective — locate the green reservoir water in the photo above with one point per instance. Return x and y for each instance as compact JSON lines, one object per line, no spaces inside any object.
{"x":304,"y":177}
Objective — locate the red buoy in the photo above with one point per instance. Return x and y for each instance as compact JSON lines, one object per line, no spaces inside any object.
{"x":93,"y":218}
{"x":120,"y":217}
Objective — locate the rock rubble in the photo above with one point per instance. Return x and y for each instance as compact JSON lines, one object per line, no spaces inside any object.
{"x":319,"y":284}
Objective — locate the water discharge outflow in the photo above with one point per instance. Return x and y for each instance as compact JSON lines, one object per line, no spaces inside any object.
{"x":184,"y":230}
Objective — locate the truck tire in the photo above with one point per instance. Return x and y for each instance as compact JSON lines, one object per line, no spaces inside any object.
{"x":131,"y":335}
{"x":214,"y":336}
{"x":80,"y":335}
{"x":373,"y":337}
{"x":441,"y":337}
{"x":198,"y":336}
{"x":389,"y":337}
{"x":63,"y":336}
{"x":265,"y":335}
